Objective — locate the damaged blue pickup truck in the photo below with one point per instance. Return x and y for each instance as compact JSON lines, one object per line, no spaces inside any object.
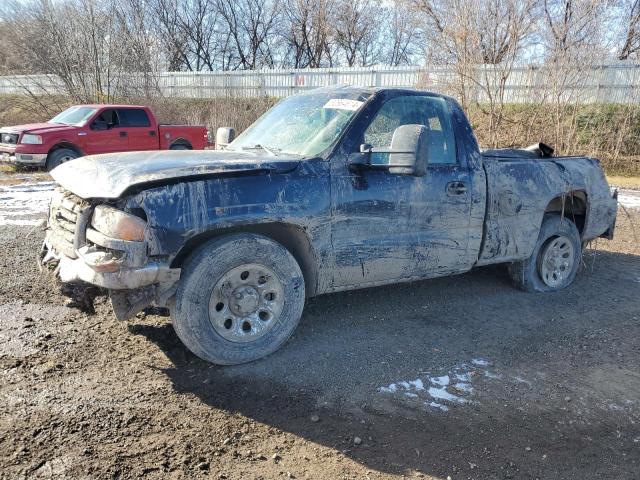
{"x":334,"y":189}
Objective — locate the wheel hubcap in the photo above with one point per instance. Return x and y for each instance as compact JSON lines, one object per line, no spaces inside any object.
{"x":246,"y":303}
{"x":556,"y":263}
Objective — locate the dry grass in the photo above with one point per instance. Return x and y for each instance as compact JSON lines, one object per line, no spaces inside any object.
{"x":624,"y":182}
{"x":608,"y":132}
{"x":626,"y":237}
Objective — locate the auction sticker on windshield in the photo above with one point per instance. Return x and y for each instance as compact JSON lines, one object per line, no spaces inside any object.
{"x":343,"y":104}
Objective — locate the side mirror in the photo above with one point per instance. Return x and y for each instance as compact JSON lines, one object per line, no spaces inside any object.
{"x":224,"y":136}
{"x":99,"y":125}
{"x":407,"y":155}
{"x":409,"y":147}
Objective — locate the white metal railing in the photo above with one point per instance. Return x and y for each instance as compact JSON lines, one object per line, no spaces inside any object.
{"x":613,"y":83}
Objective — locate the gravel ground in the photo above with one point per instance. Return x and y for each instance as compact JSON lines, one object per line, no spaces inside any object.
{"x":462,"y":377}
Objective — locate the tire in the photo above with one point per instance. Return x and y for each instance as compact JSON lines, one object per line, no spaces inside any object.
{"x":555,"y":260}
{"x":216,"y":301}
{"x":59,"y":156}
{"x":180,"y":146}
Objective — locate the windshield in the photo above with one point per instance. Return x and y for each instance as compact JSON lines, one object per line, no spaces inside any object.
{"x":77,"y":116}
{"x":302,"y":125}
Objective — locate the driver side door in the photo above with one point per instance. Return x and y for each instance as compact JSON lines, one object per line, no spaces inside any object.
{"x":389,"y":227}
{"x":113,"y":139}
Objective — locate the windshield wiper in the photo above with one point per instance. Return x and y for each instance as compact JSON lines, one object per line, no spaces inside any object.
{"x":272,"y":151}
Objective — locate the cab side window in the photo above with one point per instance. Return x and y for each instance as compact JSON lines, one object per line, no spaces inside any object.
{"x":432,"y":112}
{"x":110,"y":117}
{"x":134,"y":117}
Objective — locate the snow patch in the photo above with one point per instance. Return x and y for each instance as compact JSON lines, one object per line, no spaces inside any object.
{"x":442,"y":381}
{"x":440,"y":392}
{"x":444,"y":408}
{"x":19,"y":204}
{"x":629,"y":198}
{"x":443,"y":394}
{"x":465,"y":387}
{"x":393,"y":388}
{"x":417,"y":384}
{"x":480,"y":362}
{"x":519,"y":379}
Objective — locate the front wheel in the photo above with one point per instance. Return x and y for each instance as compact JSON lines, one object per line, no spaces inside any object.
{"x":60,"y":156}
{"x":239,"y":299}
{"x":555,"y":259}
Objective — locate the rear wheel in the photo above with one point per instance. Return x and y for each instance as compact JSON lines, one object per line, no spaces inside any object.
{"x":240,"y":298}
{"x":555,"y":259}
{"x":59,"y":156}
{"x":180,"y":146}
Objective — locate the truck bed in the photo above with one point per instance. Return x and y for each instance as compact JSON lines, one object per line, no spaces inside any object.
{"x":521,"y":188}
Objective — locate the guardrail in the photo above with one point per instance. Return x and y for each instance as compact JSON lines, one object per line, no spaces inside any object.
{"x":611,"y":83}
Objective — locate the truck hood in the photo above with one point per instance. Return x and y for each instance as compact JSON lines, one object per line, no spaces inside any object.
{"x":37,"y":128}
{"x":110,"y":175}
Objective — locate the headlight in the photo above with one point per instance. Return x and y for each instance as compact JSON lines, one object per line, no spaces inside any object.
{"x":117,"y":224}
{"x":30,"y":139}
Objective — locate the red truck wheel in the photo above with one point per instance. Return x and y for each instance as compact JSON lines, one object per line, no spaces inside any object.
{"x":59,"y":156}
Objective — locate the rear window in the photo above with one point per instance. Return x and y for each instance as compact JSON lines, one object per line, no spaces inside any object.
{"x":133,"y":117}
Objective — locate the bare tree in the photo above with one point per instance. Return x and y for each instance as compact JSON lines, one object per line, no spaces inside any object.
{"x":96,"y":49}
{"x":571,"y":32}
{"x":482,"y":40}
{"x":307,"y":33}
{"x":631,"y":24}
{"x":251,"y":26}
{"x":356,"y":30}
{"x":403,"y":34}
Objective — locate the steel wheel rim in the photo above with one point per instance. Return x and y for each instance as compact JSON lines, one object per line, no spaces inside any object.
{"x":246,"y":303}
{"x":556,"y":263}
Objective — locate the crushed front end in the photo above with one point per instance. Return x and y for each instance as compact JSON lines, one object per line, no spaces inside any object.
{"x":98,"y":244}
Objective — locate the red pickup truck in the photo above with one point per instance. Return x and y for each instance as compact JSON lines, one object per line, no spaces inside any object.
{"x":90,"y":129}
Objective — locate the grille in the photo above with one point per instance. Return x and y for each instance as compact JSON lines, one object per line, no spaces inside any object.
{"x":10,"y":138}
{"x":68,"y":216}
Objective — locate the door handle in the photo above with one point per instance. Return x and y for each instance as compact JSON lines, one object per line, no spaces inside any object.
{"x":456,"y":188}
{"x":123,"y":134}
{"x":152,"y":133}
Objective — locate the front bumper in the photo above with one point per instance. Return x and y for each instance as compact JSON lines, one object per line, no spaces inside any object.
{"x":81,"y":253}
{"x":24,"y":159}
{"x":87,"y":269}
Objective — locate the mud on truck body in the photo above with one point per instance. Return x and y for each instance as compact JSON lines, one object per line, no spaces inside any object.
{"x":335,"y":189}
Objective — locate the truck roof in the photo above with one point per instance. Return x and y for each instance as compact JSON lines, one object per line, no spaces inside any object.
{"x":362,"y":89}
{"x":109,"y":105}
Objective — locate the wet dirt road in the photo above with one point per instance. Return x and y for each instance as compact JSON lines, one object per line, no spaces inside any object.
{"x":462,"y":377}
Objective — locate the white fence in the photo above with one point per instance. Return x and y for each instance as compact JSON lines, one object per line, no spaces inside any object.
{"x":615,"y":83}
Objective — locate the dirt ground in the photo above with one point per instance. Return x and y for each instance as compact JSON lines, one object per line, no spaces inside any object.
{"x":461,"y":377}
